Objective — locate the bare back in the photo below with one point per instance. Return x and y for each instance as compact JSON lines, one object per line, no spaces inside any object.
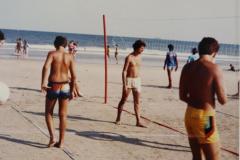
{"x":59,"y":66}
{"x":200,"y":81}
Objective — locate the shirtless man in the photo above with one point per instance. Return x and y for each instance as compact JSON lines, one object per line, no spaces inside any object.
{"x":108,"y":51}
{"x":131,"y":81}
{"x":57,"y":87}
{"x":72,"y":48}
{"x":200,"y":81}
{"x":116,"y":54}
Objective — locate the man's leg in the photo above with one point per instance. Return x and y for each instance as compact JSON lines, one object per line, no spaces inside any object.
{"x":63,"y":103}
{"x":238,"y":88}
{"x":121,"y":104}
{"x":211,"y":151}
{"x":49,"y":107}
{"x":195,"y":148}
{"x":136,"y":99}
{"x":116,"y":59}
{"x":169,"y":78}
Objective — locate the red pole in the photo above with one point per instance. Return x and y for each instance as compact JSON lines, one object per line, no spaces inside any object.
{"x":105,"y":57}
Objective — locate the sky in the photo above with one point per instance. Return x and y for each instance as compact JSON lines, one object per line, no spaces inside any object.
{"x":167,"y":19}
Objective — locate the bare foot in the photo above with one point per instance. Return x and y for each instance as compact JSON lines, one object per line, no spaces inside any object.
{"x":58,"y":145}
{"x":118,"y":123}
{"x":169,"y":86}
{"x":80,"y":94}
{"x":141,"y":125}
{"x":51,"y":143}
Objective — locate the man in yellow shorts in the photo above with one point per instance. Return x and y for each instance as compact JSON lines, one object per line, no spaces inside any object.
{"x":200,"y":81}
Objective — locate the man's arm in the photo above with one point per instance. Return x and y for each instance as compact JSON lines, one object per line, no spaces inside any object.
{"x":219,"y":87}
{"x":45,"y":68}
{"x":125,"y":68}
{"x":176,"y":60}
{"x":73,"y":85}
{"x":165,"y":62}
{"x":183,"y":88}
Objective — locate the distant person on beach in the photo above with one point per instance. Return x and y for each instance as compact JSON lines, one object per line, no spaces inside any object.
{"x":238,"y":93}
{"x":171,"y":62}
{"x":18,"y":48}
{"x":108,"y":51}
{"x":72,"y":48}
{"x":193,"y":57}
{"x":58,"y":87}
{"x":232,"y":68}
{"x":132,"y":81}
{"x":25,"y":47}
{"x":200,"y":81}
{"x":116,"y":53}
{"x":2,"y":38}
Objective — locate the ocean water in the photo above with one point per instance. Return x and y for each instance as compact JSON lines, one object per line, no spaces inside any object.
{"x":86,"y":40}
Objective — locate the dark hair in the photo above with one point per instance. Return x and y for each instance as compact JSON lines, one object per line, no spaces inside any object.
{"x":2,"y":37}
{"x":208,"y":45}
{"x":170,"y":47}
{"x":75,"y":44}
{"x":71,"y":42}
{"x":60,"y":41}
{"x":194,"y":50}
{"x":138,"y":44}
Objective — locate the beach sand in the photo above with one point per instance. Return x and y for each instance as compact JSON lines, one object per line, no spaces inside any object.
{"x":91,"y":133}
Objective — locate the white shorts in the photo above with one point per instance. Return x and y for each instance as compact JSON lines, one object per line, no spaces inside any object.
{"x":134,"y":83}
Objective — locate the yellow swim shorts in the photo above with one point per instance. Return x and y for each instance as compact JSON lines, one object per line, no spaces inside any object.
{"x":201,"y":124}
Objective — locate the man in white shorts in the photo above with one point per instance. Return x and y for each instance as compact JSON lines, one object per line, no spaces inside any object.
{"x":132,"y":81}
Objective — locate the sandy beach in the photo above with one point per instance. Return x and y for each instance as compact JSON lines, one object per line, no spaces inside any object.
{"x":91,"y":133}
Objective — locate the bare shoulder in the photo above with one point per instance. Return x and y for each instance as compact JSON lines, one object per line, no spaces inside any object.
{"x":216,"y":70}
{"x":129,"y":57}
{"x":69,"y":56}
{"x":51,"y":52}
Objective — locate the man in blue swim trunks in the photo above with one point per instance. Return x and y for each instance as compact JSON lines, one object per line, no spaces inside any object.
{"x":58,"y":87}
{"x":171,"y":62}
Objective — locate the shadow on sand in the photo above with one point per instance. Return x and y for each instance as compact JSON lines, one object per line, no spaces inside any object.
{"x":78,"y":117}
{"x":108,"y":136}
{"x":148,"y":86}
{"x":155,"y":86}
{"x":20,"y":141}
{"x":25,"y":89}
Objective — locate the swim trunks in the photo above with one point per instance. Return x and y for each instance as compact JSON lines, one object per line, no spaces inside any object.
{"x":171,"y":60}
{"x":134,"y":83}
{"x":201,"y":124}
{"x":58,"y":90}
